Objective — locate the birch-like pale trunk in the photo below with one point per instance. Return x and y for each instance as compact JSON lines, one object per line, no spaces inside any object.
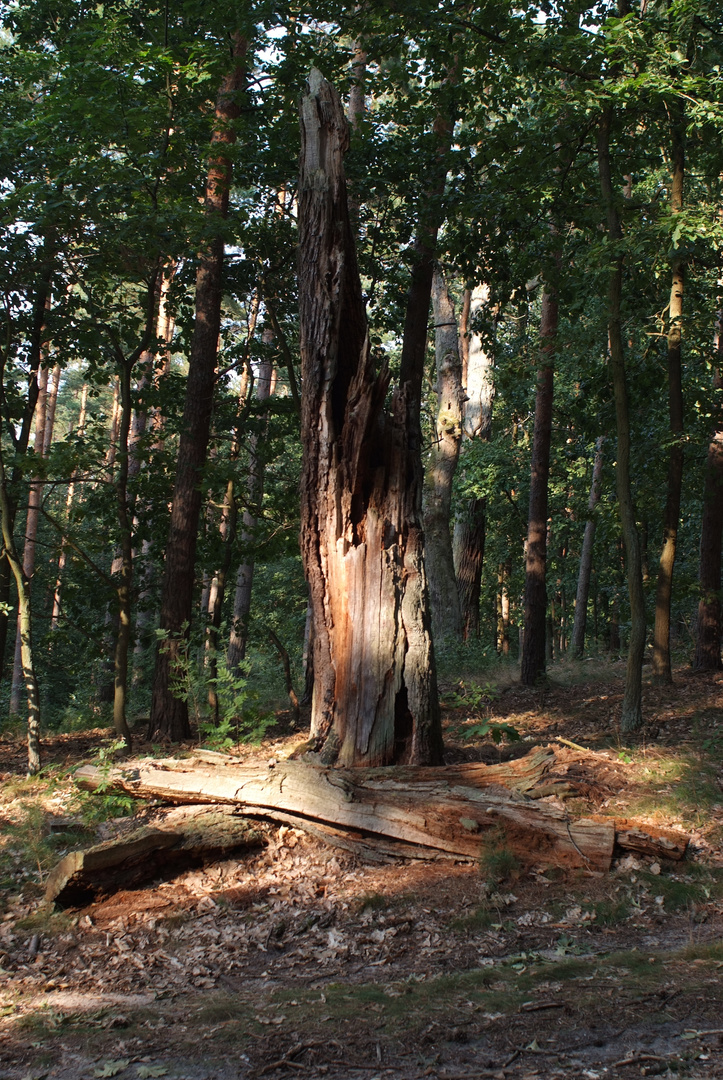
{"x":470,"y":523}
{"x":44,"y":426}
{"x":249,"y":527}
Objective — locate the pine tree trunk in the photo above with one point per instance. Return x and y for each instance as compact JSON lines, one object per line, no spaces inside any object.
{"x":439,"y":559}
{"x":708,"y":641}
{"x":169,"y":714}
{"x":588,"y":542}
{"x":662,"y":671}
{"x":533,"y":648}
{"x":631,"y":716}
{"x":375,"y":695}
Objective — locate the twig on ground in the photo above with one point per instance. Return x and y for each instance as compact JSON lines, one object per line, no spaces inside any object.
{"x":633,"y":1059}
{"x":286,"y":1061}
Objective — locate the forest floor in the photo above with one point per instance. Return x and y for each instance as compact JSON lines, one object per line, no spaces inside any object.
{"x":298,"y":960}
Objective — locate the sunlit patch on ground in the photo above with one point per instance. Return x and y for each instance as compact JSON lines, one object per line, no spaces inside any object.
{"x":300,"y":959}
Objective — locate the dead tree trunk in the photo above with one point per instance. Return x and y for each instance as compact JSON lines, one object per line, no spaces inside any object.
{"x":375,"y":695}
{"x":533,"y":645}
{"x":662,"y":671}
{"x":588,"y":541}
{"x":439,"y":558}
{"x":169,"y":714}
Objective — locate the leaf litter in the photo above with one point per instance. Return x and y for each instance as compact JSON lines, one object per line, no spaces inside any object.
{"x":301,"y":959}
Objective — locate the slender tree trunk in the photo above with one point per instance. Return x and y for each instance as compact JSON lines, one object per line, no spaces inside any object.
{"x":229,"y":517}
{"x":23,"y":588}
{"x":114,"y":421}
{"x":588,"y":542}
{"x":44,"y":426}
{"x":55,"y":618}
{"x":662,"y":671}
{"x":375,"y":695}
{"x":125,"y":519}
{"x":249,"y":526}
{"x":470,"y":523}
{"x":165,"y":328}
{"x":533,"y":647}
{"x":708,"y":641}
{"x":169,"y":714}
{"x":631,"y":716}
{"x":439,"y":558}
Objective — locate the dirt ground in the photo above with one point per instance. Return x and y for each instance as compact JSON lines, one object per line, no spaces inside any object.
{"x":300,"y":960}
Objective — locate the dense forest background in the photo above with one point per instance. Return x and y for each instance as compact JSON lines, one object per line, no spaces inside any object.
{"x":562,"y":167}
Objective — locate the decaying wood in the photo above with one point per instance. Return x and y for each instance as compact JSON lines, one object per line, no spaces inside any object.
{"x":458,"y":810}
{"x":203,"y":834}
{"x":643,"y":839}
{"x":454,"y":811}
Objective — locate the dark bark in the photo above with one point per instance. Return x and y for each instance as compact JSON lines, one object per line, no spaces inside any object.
{"x":708,"y":641}
{"x":631,"y":716}
{"x":169,"y":714}
{"x":662,"y":672}
{"x":588,"y":540}
{"x":439,"y":558}
{"x":375,"y":694}
{"x":533,"y":645}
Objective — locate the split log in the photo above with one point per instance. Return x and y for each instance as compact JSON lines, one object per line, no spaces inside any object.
{"x":459,"y":809}
{"x":650,"y":840}
{"x":201,"y":835}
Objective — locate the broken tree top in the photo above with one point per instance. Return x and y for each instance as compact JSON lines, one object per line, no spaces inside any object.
{"x":457,"y":810}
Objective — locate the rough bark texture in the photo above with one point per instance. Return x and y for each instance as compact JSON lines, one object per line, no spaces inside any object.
{"x":708,"y":641}
{"x":588,"y":542}
{"x":631,"y":717}
{"x":662,"y":672}
{"x":449,"y":809}
{"x":470,"y":523}
{"x":533,"y":644}
{"x":439,"y":558}
{"x":169,"y":714}
{"x":187,"y":836}
{"x":375,"y":695}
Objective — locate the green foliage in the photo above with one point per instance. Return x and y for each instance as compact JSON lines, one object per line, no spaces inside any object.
{"x":476,"y":699}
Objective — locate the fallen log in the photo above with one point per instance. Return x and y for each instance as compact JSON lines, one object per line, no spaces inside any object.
{"x":202,"y":835}
{"x":459,"y":809}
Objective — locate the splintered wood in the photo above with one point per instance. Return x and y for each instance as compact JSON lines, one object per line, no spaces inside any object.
{"x":458,"y":809}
